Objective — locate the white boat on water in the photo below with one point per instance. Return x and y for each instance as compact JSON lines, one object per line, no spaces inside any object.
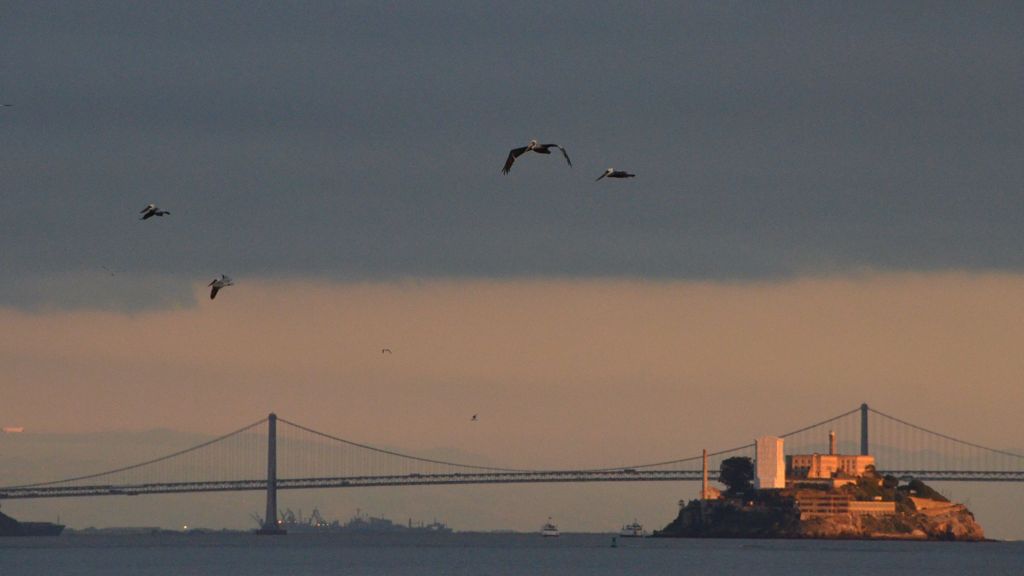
{"x":634,"y":530}
{"x":549,"y":530}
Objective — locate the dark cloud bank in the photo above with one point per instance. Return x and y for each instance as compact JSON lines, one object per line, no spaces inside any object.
{"x":364,"y":140}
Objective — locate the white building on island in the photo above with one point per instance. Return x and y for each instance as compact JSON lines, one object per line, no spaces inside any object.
{"x":769,"y":463}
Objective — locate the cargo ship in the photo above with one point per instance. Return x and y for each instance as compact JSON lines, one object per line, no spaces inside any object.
{"x":11,"y":527}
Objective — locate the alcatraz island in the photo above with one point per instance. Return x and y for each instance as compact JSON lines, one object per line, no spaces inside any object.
{"x":830,"y":496}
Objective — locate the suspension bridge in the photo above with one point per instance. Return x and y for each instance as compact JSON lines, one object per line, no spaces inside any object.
{"x":277,"y":454}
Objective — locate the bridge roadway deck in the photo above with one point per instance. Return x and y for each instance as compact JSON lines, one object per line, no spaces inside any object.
{"x":628,"y":475}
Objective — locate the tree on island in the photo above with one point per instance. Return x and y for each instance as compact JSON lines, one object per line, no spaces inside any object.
{"x":737,"y":473}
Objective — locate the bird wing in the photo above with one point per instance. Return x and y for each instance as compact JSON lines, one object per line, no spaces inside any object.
{"x":146,"y":215}
{"x":564,"y":153}
{"x":512,"y":155}
{"x":213,"y":292}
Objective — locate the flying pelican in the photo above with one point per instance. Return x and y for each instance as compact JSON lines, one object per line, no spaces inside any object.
{"x":219,"y":283}
{"x":474,"y":418}
{"x":385,"y":350}
{"x":534,"y":147}
{"x":613,"y":173}
{"x":151,"y":210}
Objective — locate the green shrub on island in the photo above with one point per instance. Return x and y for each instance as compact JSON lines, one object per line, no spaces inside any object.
{"x":737,"y":473}
{"x":921,"y":490}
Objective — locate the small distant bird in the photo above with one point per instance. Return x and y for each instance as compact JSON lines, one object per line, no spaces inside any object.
{"x":474,"y":418}
{"x":151,"y":210}
{"x":110,"y":271}
{"x":612,"y":173}
{"x":385,"y":350}
{"x":533,"y":146}
{"x":219,"y":283}
{"x":7,"y":105}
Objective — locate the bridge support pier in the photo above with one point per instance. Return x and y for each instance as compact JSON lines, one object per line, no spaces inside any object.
{"x":270,"y":525}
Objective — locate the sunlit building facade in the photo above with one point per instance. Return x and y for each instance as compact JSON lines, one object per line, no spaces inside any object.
{"x":770,"y":463}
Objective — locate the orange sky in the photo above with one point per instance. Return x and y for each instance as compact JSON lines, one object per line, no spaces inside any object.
{"x":533,"y":358}
{"x":562,"y":373}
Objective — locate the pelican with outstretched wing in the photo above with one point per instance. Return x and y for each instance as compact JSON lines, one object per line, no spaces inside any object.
{"x":613,"y":173}
{"x":219,"y":283}
{"x":151,"y":210}
{"x":533,"y":146}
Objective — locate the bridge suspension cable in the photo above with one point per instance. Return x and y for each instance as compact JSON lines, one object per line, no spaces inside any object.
{"x":716,"y":455}
{"x":817,"y":424}
{"x":906,"y":449}
{"x":386,"y":452}
{"x":230,"y":455}
{"x":944,"y":436}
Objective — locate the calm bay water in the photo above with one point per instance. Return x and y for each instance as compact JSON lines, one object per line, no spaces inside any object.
{"x":492,"y":554}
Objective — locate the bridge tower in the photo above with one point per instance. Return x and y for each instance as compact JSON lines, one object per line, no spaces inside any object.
{"x":270,"y":526}
{"x":864,"y":429}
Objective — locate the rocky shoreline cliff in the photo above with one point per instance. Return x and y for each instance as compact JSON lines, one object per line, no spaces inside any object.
{"x":953,"y":522}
